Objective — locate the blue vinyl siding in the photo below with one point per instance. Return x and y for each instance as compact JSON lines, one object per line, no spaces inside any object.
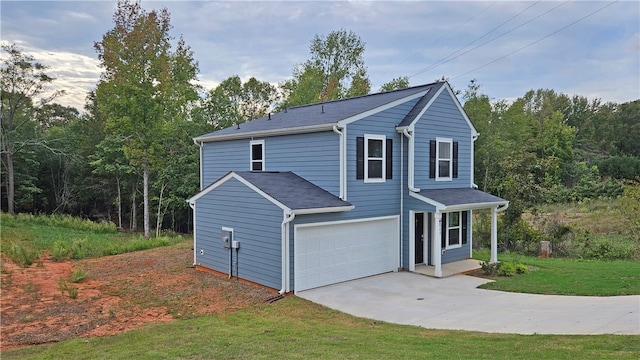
{"x":256,"y":224}
{"x":314,"y":157}
{"x":444,"y":120}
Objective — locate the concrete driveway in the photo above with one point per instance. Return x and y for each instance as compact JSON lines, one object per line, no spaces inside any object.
{"x":455,"y":303}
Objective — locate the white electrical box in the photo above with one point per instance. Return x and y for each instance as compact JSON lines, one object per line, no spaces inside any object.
{"x":235,"y":244}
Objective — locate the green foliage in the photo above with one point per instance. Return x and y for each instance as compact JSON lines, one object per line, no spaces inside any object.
{"x":336,"y":70}
{"x":580,"y":277}
{"x":78,"y":276}
{"x":304,"y":330}
{"x":71,"y":290}
{"x":620,"y":167}
{"x":19,"y":253}
{"x":398,"y":83}
{"x":629,"y":206}
{"x":488,"y":268}
{"x":25,"y":237}
{"x":506,"y":269}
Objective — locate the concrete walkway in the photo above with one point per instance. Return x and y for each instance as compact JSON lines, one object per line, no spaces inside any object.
{"x":455,"y":303}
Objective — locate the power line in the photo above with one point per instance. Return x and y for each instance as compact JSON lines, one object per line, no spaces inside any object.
{"x":537,"y":41}
{"x":446,"y":58}
{"x":505,"y":33}
{"x":448,"y":33}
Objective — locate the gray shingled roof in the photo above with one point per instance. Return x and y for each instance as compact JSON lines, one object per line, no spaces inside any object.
{"x":293,"y":191}
{"x":316,"y":115}
{"x":465,"y":196}
{"x":420,"y":105}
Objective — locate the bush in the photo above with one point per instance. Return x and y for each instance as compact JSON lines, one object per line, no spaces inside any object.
{"x":78,"y":276}
{"x":522,"y":269}
{"x":60,"y":251}
{"x":506,"y":269}
{"x":488,"y":268}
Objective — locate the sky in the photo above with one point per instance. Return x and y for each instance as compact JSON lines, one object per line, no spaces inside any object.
{"x":586,"y":48}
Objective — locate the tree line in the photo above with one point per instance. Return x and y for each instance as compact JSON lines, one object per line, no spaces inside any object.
{"x":128,"y":157}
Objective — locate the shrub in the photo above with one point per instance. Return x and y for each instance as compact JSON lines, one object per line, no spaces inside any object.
{"x":488,"y":268}
{"x":521,"y":268}
{"x":506,"y":269}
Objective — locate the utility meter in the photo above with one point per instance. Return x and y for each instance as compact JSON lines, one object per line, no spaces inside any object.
{"x":226,"y":238}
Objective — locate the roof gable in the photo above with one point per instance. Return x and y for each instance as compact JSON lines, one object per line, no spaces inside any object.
{"x":425,"y":102}
{"x":286,"y":190}
{"x":318,"y":117}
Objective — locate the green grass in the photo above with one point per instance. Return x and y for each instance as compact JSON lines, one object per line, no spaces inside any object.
{"x":297,"y":329}
{"x":568,"y":276}
{"x":26,"y":237}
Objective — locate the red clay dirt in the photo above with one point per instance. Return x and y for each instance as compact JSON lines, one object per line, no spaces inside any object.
{"x":119,"y":293}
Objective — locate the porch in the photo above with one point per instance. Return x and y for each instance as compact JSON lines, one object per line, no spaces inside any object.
{"x":449,"y":269}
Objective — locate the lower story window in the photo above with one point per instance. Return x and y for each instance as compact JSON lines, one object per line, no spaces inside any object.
{"x":454,"y":230}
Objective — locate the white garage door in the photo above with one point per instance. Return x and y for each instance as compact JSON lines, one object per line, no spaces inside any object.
{"x":329,"y":253}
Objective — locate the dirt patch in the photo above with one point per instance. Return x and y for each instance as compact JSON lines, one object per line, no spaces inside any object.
{"x":119,"y":293}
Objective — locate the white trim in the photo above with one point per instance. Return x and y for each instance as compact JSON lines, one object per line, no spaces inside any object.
{"x":412,"y":245}
{"x":459,"y":227}
{"x":264,"y":155}
{"x":383,"y":159}
{"x":378,"y":109}
{"x":323,"y":210}
{"x":474,"y":132}
{"x":266,"y":133}
{"x":441,"y":140}
{"x":339,"y":222}
{"x":232,"y":175}
{"x":461,"y":207}
{"x":341,"y":144}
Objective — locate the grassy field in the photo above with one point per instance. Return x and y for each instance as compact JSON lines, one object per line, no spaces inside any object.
{"x":297,"y":329}
{"x":568,"y":276}
{"x":25,"y":238}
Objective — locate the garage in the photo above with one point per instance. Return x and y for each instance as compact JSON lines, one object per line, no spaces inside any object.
{"x":332,"y":252}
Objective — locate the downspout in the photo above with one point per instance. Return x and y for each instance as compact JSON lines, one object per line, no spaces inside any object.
{"x":343,"y":181}
{"x":410,"y":165}
{"x":288,"y":217}
{"x":401,"y":199}
{"x":192,"y":205}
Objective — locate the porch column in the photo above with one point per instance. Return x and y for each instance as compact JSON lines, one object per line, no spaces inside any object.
{"x":437,"y":244}
{"x":494,"y":235}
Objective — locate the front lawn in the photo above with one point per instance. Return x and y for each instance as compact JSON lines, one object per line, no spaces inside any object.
{"x":568,"y":276}
{"x":294,"y":328}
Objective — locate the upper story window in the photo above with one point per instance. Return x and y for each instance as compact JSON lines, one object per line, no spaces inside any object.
{"x":374,"y":150}
{"x":443,"y":159}
{"x":257,"y":155}
{"x":374,"y":160}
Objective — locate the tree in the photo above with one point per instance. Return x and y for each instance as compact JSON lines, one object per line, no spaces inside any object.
{"x":336,"y":70}
{"x":401,"y":82}
{"x":23,"y":91}
{"x":145,"y":87}
{"x":233,"y":102}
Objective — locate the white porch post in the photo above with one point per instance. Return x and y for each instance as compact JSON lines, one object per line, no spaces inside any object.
{"x":437,"y":244}
{"x":494,"y":235}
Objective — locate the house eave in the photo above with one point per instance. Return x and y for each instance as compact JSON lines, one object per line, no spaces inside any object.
{"x":266,"y":133}
{"x":322,"y":210}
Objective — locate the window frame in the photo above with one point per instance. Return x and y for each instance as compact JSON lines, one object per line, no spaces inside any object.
{"x":438,"y":159}
{"x":367,"y":158}
{"x":458,"y":227}
{"x":260,"y":161}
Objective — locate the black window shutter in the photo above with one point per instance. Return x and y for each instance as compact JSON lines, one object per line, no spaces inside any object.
{"x":360,"y":157}
{"x":432,"y":159}
{"x":455,"y":159}
{"x":389,"y":159}
{"x":465,"y":226}
{"x":444,"y":230}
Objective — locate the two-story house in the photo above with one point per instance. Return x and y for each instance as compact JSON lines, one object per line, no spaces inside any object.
{"x":323,"y":193}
